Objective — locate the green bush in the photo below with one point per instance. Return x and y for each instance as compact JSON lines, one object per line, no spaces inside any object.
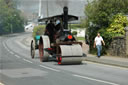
{"x":38,"y":30}
{"x":74,"y":33}
{"x":76,"y":26}
{"x":116,"y":28}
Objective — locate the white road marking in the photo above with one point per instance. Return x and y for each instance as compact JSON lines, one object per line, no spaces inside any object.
{"x":1,"y":83}
{"x":11,"y":52}
{"x":27,"y":61}
{"x":8,"y":50}
{"x":17,"y":56}
{"x":93,"y":79}
{"x":5,"y":46}
{"x":105,"y":65}
{"x":49,"y":68}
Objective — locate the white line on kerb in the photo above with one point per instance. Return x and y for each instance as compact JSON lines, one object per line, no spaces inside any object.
{"x":93,"y":79}
{"x":49,"y":68}
{"x":17,"y":56}
{"x":27,"y":61}
{"x":105,"y":65}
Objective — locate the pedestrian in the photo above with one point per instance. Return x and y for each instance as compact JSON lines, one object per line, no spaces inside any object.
{"x":98,"y":44}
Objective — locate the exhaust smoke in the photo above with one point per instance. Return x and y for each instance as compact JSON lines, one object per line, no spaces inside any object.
{"x":62,"y":3}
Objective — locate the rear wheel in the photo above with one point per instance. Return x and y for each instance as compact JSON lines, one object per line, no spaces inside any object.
{"x":41,"y":51}
{"x":44,"y":43}
{"x":32,"y":49}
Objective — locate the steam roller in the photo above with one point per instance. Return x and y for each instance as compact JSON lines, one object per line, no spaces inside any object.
{"x":65,"y":53}
{"x":58,"y":41}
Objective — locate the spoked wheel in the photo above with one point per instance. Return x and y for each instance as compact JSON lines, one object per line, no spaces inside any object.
{"x":32,"y":49}
{"x":44,"y":43}
{"x":41,"y":51}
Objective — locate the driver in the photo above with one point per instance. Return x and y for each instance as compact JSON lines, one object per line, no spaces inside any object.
{"x":50,"y":29}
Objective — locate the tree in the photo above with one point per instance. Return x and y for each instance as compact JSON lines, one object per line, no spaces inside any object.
{"x":10,"y":18}
{"x":100,"y":15}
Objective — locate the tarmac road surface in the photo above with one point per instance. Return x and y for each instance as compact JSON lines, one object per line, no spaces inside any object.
{"x":17,"y":68}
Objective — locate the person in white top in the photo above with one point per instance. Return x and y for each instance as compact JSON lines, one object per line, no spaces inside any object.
{"x":98,"y":44}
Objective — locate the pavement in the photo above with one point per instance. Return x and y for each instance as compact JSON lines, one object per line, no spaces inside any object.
{"x":109,"y":60}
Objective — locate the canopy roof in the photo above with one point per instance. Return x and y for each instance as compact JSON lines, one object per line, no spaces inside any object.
{"x":60,"y":17}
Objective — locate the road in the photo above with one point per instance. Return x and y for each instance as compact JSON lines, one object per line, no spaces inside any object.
{"x":17,"y":68}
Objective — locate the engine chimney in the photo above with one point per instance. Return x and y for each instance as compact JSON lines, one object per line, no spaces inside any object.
{"x":65,"y":17}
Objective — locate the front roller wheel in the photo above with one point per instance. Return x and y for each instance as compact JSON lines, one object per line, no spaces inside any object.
{"x":32,"y":49}
{"x":44,"y":43}
{"x":70,"y":54}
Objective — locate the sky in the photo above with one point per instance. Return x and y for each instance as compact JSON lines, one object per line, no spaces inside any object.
{"x":76,"y":7}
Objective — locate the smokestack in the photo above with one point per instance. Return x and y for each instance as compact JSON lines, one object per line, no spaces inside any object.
{"x":65,"y":17}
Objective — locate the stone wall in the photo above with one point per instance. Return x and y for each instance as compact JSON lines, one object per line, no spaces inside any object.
{"x":118,"y":47}
{"x":126,"y":40}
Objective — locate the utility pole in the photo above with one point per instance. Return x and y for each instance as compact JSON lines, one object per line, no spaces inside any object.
{"x":47,"y":9}
{"x":40,"y":5}
{"x":11,"y":29}
{"x":12,"y":25}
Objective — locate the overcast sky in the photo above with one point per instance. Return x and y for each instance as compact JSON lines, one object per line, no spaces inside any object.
{"x":76,"y":7}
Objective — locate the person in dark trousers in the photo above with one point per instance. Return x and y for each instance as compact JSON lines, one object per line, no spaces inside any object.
{"x":50,"y":29}
{"x":98,"y":44}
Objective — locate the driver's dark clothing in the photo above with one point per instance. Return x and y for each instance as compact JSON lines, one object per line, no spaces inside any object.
{"x":50,"y":29}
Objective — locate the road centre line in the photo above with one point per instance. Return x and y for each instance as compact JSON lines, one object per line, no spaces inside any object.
{"x":27,"y":61}
{"x":93,"y":79}
{"x":17,"y":56}
{"x":49,"y":68}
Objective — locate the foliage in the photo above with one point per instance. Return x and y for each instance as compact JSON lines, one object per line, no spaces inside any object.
{"x":116,"y":28}
{"x":100,"y":15}
{"x":76,"y":26}
{"x":84,"y":23}
{"x":38,"y":30}
{"x":10,"y":18}
{"x":74,"y":33}
{"x":81,"y":38}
